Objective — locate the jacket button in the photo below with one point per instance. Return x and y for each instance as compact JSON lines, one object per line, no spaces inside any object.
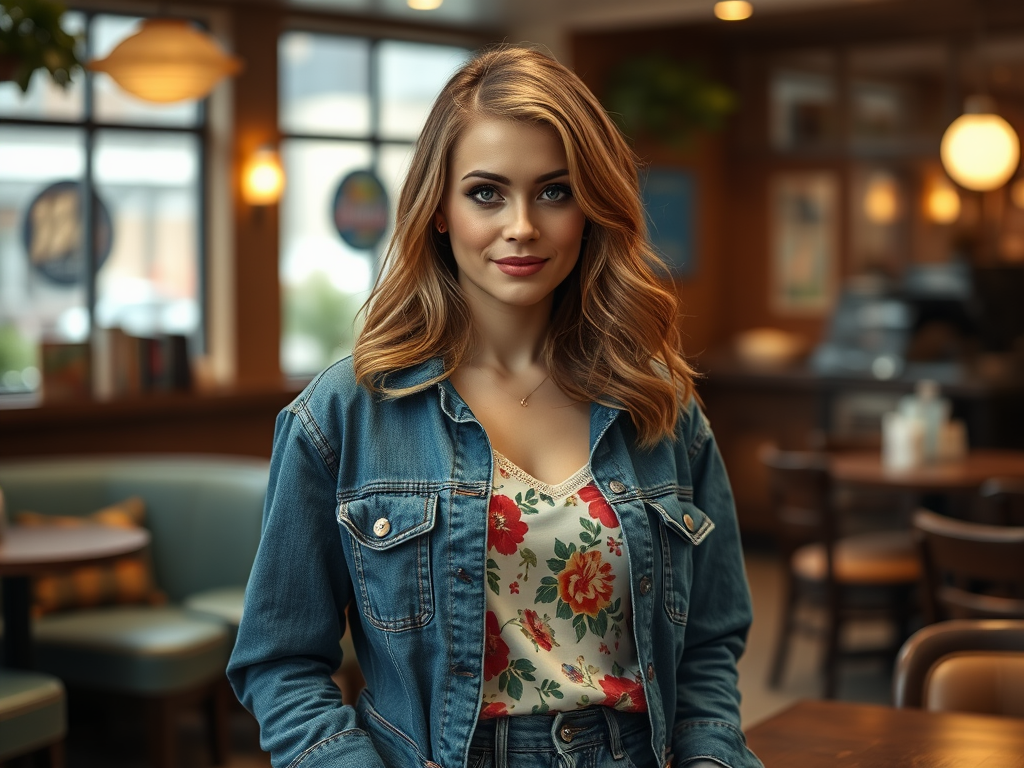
{"x":650,"y":673}
{"x":616,"y":486}
{"x":688,"y":522}
{"x":382,"y":527}
{"x":645,"y":585}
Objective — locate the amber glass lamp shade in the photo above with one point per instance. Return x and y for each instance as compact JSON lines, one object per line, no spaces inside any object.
{"x":980,"y":150}
{"x":167,"y":60}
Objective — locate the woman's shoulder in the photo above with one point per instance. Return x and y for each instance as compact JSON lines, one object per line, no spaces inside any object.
{"x":338,"y":386}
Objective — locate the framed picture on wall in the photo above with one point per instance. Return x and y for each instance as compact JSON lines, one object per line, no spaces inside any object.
{"x":669,"y":199}
{"x":804,"y":221}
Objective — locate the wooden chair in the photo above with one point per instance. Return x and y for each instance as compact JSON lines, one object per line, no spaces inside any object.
{"x":967,"y":665}
{"x":849,"y":576}
{"x":1003,"y":500}
{"x":971,"y":570}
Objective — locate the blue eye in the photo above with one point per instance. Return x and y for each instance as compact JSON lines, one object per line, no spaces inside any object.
{"x":556,"y":193}
{"x":484,"y":194}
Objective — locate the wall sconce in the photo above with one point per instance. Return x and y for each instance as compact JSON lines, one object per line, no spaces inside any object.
{"x":1017,"y":193}
{"x":941,"y":200}
{"x":262,"y":177}
{"x":167,"y":60}
{"x":882,"y":199}
{"x":980,"y":150}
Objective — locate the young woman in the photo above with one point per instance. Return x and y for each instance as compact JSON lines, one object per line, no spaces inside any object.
{"x":508,"y":492}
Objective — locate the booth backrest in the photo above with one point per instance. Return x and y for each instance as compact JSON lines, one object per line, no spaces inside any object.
{"x":204,"y":512}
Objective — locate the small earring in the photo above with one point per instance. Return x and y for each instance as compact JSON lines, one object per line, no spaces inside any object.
{"x":441,"y":227}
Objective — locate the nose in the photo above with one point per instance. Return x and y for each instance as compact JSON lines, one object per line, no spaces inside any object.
{"x":520,"y":226}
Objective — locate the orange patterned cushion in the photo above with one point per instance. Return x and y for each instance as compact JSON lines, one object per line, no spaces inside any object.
{"x":126,"y":580}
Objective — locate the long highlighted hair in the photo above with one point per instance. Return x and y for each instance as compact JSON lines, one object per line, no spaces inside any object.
{"x":613,"y":336}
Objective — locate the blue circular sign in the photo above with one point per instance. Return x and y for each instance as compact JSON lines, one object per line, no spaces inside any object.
{"x":360,"y":210}
{"x":52,"y":233}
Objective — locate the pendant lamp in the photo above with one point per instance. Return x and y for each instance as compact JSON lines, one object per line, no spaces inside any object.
{"x":980,"y":150}
{"x":168,"y":60}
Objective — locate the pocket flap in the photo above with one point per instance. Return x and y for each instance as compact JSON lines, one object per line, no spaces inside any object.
{"x":683,"y":518}
{"x":384,"y":521}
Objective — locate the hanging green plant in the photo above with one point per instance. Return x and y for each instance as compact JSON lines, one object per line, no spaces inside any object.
{"x":666,"y":100}
{"x":32,"y":38}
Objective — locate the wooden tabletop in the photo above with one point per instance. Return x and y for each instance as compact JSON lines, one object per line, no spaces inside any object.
{"x":839,"y":734}
{"x":865,"y":468}
{"x":25,"y":551}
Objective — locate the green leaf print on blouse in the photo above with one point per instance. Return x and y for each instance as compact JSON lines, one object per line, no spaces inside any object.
{"x":547,"y":689}
{"x":511,"y":680}
{"x":528,"y":503}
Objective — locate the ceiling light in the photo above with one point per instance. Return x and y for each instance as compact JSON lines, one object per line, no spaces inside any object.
{"x":167,"y":60}
{"x":941,"y":201}
{"x":980,"y":150}
{"x":882,"y":199}
{"x":733,"y":10}
{"x":424,"y":5}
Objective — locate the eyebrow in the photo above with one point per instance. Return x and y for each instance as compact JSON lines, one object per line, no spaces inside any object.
{"x":505,"y":180}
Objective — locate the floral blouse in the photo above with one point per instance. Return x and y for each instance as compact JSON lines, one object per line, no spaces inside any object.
{"x":559,"y":617}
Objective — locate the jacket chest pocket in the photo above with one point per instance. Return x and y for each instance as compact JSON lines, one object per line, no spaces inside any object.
{"x":390,"y":550}
{"x":683,"y":527}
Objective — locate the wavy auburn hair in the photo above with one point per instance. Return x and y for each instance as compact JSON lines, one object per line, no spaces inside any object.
{"x":613,"y":335}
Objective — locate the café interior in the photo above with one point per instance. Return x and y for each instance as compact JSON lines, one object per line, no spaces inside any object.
{"x":195,"y":199}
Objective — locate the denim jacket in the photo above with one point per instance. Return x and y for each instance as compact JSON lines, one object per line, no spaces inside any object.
{"x":383,"y":504}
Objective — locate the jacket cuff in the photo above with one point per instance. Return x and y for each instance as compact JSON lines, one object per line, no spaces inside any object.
{"x":714,"y":740}
{"x":351,"y":747}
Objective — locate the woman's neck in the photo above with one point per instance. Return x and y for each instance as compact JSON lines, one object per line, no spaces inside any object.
{"x":507,"y":339}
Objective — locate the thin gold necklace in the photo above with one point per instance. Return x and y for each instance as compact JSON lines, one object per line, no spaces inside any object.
{"x":523,"y":401}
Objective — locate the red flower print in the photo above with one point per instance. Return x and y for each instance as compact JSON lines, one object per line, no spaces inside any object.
{"x":505,"y":528}
{"x":586,"y":583}
{"x":604,"y":649}
{"x":614,"y":546}
{"x":623,"y":694}
{"x":493,"y":709}
{"x":513,"y":588}
{"x":495,"y":649}
{"x":537,"y":629}
{"x":598,"y":508}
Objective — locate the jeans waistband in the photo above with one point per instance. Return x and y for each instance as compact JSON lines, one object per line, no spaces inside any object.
{"x":563,"y":732}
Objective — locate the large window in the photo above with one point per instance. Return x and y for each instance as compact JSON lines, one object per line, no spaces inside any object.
{"x":346,"y":104}
{"x":143,"y":164}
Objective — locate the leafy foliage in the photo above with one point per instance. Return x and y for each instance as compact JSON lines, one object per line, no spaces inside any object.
{"x":662,"y":98}
{"x":32,"y":38}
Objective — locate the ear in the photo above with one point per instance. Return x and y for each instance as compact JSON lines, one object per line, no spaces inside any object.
{"x":440,"y":223}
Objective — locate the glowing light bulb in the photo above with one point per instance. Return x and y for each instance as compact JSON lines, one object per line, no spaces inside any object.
{"x":1017,"y":193}
{"x":980,"y":150}
{"x":942,"y":202}
{"x":263,"y":178}
{"x":424,"y":5}
{"x":733,"y":10}
{"x":882,"y":199}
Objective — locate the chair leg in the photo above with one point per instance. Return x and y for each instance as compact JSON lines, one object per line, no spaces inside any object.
{"x":216,"y":705}
{"x":787,"y":623}
{"x":55,"y":754}
{"x":832,"y":634}
{"x":161,"y":731}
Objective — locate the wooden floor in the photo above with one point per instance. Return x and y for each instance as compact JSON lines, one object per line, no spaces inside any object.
{"x":121,"y":746}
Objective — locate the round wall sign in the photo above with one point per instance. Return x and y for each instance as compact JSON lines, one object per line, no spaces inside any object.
{"x":361,"y":210}
{"x":52,"y":233}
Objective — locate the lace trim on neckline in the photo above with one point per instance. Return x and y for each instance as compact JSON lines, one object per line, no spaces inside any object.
{"x":580,"y":478}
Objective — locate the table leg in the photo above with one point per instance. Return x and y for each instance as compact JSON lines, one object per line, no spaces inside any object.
{"x":17,"y":598}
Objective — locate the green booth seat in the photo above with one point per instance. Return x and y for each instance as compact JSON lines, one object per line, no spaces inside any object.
{"x":33,"y":715}
{"x":204,"y":515}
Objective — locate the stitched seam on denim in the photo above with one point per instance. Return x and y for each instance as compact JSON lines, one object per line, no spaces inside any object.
{"x":395,"y":730}
{"x":699,"y":439}
{"x":712,"y":758}
{"x":391,"y":625}
{"x":305,"y":416}
{"x":412,"y":488}
{"x":378,"y":544}
{"x":683,"y":493}
{"x":674,"y":615}
{"x":708,"y":723}
{"x":323,"y":743}
{"x":696,"y":537}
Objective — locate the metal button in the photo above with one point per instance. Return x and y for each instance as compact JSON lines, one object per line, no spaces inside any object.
{"x":567,"y":732}
{"x":645,"y":585}
{"x":616,"y":486}
{"x":650,"y":673}
{"x":688,"y":522}
{"x":382,"y":527}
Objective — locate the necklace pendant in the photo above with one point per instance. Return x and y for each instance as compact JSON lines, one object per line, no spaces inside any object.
{"x":523,"y":402}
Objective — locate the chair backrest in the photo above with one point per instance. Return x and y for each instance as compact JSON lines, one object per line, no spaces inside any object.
{"x":1003,"y":499}
{"x":800,"y":489}
{"x":970,"y":570}
{"x":965,"y":665}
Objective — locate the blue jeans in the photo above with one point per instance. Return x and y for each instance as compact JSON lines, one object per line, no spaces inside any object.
{"x":597,"y":737}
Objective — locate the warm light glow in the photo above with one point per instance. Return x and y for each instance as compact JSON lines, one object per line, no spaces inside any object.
{"x":424,"y":5}
{"x":941,"y":201}
{"x":263,"y":178}
{"x":167,"y":60}
{"x":882,"y":199}
{"x":980,"y":150}
{"x":733,"y":10}
{"x":1017,"y":193}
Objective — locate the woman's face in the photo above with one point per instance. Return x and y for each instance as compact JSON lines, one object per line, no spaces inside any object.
{"x":515,"y":227}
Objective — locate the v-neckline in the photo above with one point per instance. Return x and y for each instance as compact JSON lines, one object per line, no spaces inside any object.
{"x":570,"y":485}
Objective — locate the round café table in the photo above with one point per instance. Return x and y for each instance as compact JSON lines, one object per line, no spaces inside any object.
{"x":957,"y":476}
{"x":26,"y":551}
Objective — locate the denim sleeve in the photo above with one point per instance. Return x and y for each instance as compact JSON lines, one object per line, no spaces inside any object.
{"x":293,"y":619}
{"x":719,"y":615}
